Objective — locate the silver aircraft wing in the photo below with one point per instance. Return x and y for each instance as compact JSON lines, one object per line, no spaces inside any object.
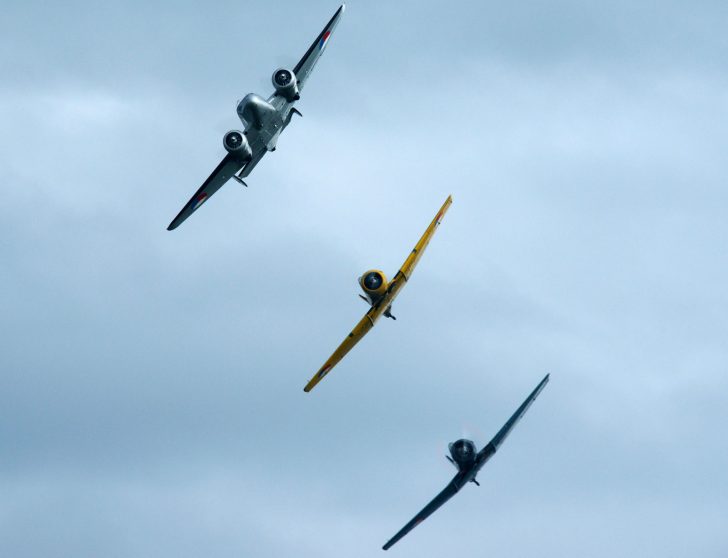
{"x":306,"y":64}
{"x":222,"y":173}
{"x":257,"y":156}
{"x":489,"y":451}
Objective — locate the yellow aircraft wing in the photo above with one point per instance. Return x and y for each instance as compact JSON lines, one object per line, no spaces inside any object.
{"x":359,"y":331}
{"x":375,"y":312}
{"x":405,"y":272}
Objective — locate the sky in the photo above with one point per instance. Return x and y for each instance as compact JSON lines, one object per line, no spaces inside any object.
{"x":151,"y":399}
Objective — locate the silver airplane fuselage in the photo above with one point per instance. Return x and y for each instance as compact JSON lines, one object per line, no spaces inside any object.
{"x":264,"y":120}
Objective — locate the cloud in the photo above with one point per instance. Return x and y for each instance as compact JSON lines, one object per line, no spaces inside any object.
{"x":152,"y":396}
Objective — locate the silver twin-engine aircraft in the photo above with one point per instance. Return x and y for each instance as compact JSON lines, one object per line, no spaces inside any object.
{"x":468,"y":461}
{"x":263,"y":122}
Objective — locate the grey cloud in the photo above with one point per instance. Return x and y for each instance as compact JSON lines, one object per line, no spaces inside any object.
{"x":151,"y":400}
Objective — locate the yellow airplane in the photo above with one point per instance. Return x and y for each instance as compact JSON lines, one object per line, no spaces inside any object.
{"x":380,"y":295}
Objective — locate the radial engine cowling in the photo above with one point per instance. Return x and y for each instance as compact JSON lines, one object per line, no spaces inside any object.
{"x":463,"y":452}
{"x":286,"y":84}
{"x":237,"y":144}
{"x":374,"y":284}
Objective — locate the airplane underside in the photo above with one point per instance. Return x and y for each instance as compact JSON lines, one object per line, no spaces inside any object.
{"x":387,"y":313}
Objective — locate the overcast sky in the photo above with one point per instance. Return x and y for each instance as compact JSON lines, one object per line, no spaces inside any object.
{"x":151,"y":399}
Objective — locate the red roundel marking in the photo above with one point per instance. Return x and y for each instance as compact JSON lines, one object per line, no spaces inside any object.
{"x":325,"y":38}
{"x":201,"y":198}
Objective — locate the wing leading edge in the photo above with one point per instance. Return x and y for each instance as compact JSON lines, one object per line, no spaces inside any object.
{"x":408,"y":267}
{"x":488,"y":451}
{"x":222,"y":173}
{"x":376,"y":311}
{"x":359,"y":331}
{"x":306,"y":64}
{"x":448,"y":492}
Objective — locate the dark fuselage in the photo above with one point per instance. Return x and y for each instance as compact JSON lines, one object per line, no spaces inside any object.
{"x":465,"y":457}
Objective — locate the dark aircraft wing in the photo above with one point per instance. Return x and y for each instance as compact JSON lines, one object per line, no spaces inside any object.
{"x":483,"y":455}
{"x":488,"y":451}
{"x":222,"y":173}
{"x":306,"y":64}
{"x":449,"y":491}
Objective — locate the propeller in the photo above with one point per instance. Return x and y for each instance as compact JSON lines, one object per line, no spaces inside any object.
{"x":283,"y":77}
{"x":373,"y":281}
{"x":233,"y":140}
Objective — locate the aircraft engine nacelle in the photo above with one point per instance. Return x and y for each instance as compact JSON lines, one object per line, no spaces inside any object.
{"x":237,"y":144}
{"x":255,"y":111}
{"x":286,"y":84}
{"x":463,"y":452}
{"x":373,"y":283}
